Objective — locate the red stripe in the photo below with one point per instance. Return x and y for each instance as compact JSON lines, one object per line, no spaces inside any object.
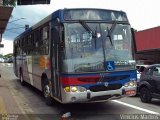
{"x":79,"y":80}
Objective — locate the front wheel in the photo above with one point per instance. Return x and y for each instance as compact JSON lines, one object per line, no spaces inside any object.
{"x":145,"y":95}
{"x":47,"y":95}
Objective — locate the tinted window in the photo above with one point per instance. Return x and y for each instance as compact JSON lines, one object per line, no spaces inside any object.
{"x":140,"y":68}
{"x":156,"y":71}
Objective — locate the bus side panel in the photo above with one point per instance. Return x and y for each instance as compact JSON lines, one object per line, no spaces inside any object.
{"x":15,"y":67}
{"x":26,"y":61}
{"x":39,"y":66}
{"x":37,"y":72}
{"x":18,"y":65}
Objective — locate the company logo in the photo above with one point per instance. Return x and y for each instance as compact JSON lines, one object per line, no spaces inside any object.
{"x":106,"y":84}
{"x":101,"y":78}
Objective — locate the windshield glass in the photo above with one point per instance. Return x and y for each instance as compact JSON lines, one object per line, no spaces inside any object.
{"x":85,"y":53}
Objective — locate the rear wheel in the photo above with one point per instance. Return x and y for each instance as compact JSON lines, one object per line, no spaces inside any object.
{"x":21,"y":79}
{"x":145,"y":95}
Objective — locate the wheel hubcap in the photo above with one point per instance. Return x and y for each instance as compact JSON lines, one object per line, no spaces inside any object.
{"x":144,"y":95}
{"x":46,"y":91}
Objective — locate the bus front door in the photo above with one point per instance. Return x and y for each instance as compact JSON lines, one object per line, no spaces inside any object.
{"x":55,"y":70}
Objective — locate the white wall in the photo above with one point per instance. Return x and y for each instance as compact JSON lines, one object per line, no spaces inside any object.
{"x":8,"y":47}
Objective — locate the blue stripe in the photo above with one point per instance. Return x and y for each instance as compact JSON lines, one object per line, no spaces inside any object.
{"x":132,"y":73}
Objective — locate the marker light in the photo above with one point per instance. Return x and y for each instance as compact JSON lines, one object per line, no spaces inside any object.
{"x":131,"y":84}
{"x":67,"y":89}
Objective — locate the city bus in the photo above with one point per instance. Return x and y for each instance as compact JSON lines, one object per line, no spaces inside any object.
{"x":78,"y":55}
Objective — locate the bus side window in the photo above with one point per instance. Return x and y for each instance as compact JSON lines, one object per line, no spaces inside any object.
{"x":26,"y":43}
{"x":31,"y":44}
{"x":36,"y":42}
{"x":18,"y":47}
{"x":15,"y":50}
{"x":44,"y":46}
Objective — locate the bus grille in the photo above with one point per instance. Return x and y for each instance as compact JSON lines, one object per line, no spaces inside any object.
{"x":114,"y":78}
{"x":98,"y":88}
{"x":105,"y":97}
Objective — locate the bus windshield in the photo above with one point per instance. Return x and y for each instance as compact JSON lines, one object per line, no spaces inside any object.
{"x":86,"y":53}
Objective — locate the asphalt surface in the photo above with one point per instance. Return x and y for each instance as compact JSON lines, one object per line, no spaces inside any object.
{"x":28,"y":103}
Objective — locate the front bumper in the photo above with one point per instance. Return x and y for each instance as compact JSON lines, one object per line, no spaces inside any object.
{"x":89,"y":96}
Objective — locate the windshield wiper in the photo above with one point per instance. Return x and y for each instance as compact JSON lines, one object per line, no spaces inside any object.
{"x":110,"y":31}
{"x":87,"y":28}
{"x":109,"y":36}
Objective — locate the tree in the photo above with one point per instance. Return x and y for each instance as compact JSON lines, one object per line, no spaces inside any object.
{"x":8,"y":55}
{"x":9,"y":3}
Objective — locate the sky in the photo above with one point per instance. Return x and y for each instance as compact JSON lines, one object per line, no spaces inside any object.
{"x":142,"y":14}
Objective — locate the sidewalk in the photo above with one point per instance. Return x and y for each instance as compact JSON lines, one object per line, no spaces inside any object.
{"x":8,"y":104}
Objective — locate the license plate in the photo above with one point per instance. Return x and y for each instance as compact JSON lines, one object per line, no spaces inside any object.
{"x":130,"y":92}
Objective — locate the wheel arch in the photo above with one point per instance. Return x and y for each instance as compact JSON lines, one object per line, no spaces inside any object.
{"x":44,"y":75}
{"x":20,"y":71}
{"x":144,"y":84}
{"x":44,"y":79}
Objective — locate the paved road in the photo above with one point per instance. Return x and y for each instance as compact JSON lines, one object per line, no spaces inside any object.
{"x":31,"y":103}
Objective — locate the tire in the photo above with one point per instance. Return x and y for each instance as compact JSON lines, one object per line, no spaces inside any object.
{"x":21,"y":79}
{"x":47,"y":93}
{"x":145,"y":95}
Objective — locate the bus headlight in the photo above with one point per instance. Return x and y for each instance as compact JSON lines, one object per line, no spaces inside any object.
{"x":74,"y":89}
{"x":132,"y":83}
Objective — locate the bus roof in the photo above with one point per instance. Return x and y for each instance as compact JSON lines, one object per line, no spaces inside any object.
{"x":60,"y":14}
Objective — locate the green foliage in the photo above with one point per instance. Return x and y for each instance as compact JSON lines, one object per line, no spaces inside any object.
{"x":9,"y":3}
{"x":8,"y":55}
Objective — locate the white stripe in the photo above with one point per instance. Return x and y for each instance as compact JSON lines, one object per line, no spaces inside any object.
{"x":135,"y":107}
